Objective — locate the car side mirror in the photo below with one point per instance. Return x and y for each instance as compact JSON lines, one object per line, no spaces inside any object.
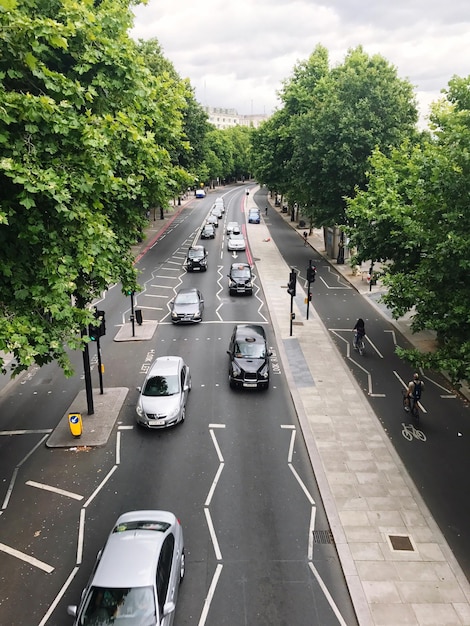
{"x":270,"y":353}
{"x":139,"y":389}
{"x":229,"y":353}
{"x":72,"y":610}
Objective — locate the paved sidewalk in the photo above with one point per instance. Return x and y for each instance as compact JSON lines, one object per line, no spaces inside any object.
{"x":398,"y":566}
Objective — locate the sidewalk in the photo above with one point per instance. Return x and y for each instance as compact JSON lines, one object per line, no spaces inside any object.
{"x":398,"y":566}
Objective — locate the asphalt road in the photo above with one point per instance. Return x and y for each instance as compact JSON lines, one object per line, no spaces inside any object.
{"x":236,"y":472}
{"x":434,"y":453}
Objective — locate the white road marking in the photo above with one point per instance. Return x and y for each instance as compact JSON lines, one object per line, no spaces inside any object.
{"x":25,"y":432}
{"x":57,"y":599}
{"x":210,"y":595}
{"x":26,"y":558}
{"x":61,"y":492}
{"x":215,"y":543}
{"x":214,"y":485}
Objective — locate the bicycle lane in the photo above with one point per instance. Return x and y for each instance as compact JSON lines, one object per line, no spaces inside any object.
{"x":397,"y":563}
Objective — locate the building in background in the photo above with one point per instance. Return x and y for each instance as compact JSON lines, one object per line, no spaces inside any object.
{"x":226,"y":118}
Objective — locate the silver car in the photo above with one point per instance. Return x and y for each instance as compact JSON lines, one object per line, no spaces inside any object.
{"x":236,"y":241}
{"x":188,"y":306}
{"x":136,"y":576}
{"x":163,"y":396}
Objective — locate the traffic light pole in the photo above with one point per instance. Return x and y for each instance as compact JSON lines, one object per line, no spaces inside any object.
{"x":132,"y":314}
{"x":87,"y":371}
{"x":311,"y":271}
{"x":100,"y":365}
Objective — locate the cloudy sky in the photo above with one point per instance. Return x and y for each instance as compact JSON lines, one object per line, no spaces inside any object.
{"x":237,"y":54}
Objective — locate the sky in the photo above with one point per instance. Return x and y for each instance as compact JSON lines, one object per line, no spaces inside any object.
{"x":238,"y":54}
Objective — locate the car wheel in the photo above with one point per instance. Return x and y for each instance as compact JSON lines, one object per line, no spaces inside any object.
{"x":231,"y":383}
{"x":183,"y":414}
{"x":182,"y":565}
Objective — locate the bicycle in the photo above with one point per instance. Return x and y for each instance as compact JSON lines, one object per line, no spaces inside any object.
{"x":411,"y":405}
{"x":359,"y":344}
{"x":409,"y":431}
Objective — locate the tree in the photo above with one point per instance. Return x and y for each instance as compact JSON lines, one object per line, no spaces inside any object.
{"x":86,"y":133}
{"x":359,"y":105}
{"x":414,"y":217}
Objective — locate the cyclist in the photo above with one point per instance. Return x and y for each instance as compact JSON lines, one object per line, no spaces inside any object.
{"x":415,"y":387}
{"x":360,"y":331}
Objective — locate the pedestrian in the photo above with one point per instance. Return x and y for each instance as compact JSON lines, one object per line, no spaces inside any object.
{"x":266,"y":211}
{"x":305,"y":237}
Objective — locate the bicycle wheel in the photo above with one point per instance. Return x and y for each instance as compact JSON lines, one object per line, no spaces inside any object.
{"x":415,"y":411}
{"x":361,"y":347}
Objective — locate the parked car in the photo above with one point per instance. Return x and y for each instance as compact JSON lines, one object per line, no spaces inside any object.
{"x":196,"y":259}
{"x":240,"y":279}
{"x":233,"y":227}
{"x":208,"y":231}
{"x":188,"y":306}
{"x":248,"y":357}
{"x":136,"y":577}
{"x":254,"y":216}
{"x":163,"y":396}
{"x":200,"y":193}
{"x":212,"y":220}
{"x":236,"y":241}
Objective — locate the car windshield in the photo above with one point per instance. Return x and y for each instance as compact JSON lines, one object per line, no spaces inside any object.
{"x":236,"y":236}
{"x":243,"y":272}
{"x":196,"y":254}
{"x":187,"y":298}
{"x":249,"y":350}
{"x":129,"y":607}
{"x":161,"y":386}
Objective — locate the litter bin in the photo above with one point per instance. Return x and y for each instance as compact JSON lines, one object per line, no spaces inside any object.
{"x":138,"y":316}
{"x":75,"y":424}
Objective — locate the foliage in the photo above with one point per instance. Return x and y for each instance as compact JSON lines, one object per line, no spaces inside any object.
{"x":87,"y":135}
{"x":414,"y":217}
{"x":315,"y":149}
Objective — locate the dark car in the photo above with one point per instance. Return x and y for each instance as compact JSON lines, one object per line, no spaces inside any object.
{"x":187,"y":306}
{"x":208,"y":232}
{"x":254,"y":216}
{"x":248,"y":357}
{"x":240,"y":279}
{"x":196,"y":259}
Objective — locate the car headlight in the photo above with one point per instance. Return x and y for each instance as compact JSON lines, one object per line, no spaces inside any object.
{"x":249,"y":284}
{"x":264,"y":371}
{"x":139,"y":410}
{"x":236,"y":371}
{"x":174,"y":315}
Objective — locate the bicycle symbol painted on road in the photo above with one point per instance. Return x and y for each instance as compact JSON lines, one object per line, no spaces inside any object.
{"x":409,"y":431}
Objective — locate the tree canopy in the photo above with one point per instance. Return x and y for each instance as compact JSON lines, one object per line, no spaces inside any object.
{"x":331,"y":122}
{"x":414,"y":216}
{"x":89,"y":130}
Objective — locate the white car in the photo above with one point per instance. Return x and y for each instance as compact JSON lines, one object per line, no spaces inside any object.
{"x":233,"y":227}
{"x":163,"y":396}
{"x":219,"y":202}
{"x":236,"y":241}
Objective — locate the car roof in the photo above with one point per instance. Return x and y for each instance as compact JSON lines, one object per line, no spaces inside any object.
{"x":130,"y":556}
{"x":252,"y":331}
{"x":165,"y":365}
{"x":198,"y":247}
{"x":187,"y":290}
{"x":240,"y":266}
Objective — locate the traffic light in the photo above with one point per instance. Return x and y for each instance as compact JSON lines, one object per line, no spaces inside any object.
{"x":291,"y":285}
{"x":98,"y":328}
{"x":311,"y":273}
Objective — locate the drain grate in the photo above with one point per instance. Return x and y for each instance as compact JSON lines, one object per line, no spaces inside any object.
{"x":401,"y":542}
{"x":323,"y":537}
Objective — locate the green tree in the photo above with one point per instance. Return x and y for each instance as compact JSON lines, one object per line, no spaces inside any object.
{"x":86,"y":134}
{"x":414,"y":217}
{"x":358,"y":106}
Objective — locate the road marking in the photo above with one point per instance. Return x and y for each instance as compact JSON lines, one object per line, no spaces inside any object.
{"x":215,"y":543}
{"x":64,"y":588}
{"x":26,"y":558}
{"x":210,"y":595}
{"x":25,"y":432}
{"x":61,"y":492}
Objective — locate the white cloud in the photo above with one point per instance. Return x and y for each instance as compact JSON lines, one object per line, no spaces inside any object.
{"x":237,"y":55}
